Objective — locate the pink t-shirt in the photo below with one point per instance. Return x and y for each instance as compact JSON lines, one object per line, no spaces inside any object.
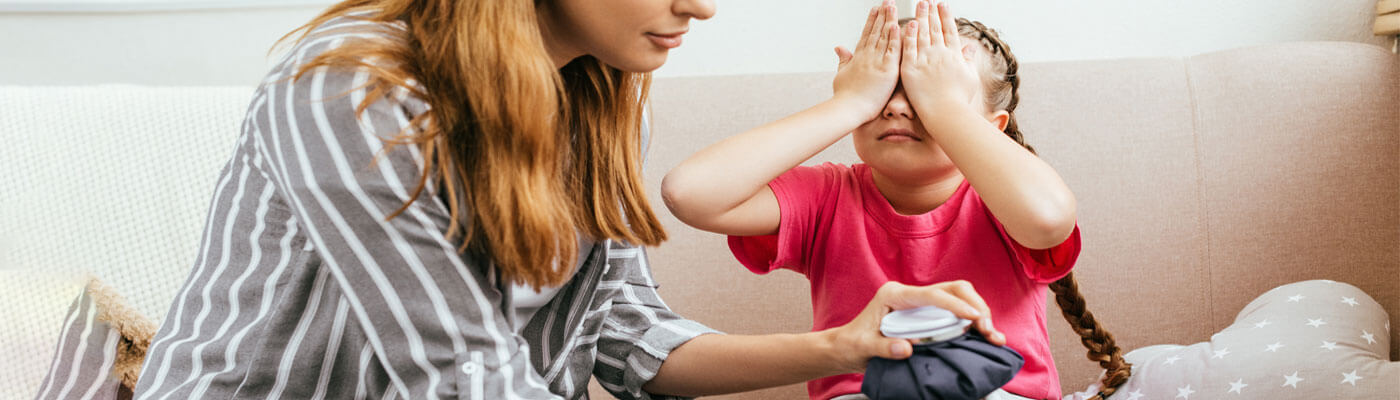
{"x":839,"y":231}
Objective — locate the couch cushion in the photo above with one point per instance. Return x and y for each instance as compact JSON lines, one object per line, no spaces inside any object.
{"x":1306,"y":340}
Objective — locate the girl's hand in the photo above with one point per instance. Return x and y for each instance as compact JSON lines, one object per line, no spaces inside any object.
{"x":934,"y":69}
{"x":866,"y":78}
{"x":859,"y":340}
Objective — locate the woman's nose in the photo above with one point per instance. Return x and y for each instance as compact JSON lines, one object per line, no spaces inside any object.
{"x":698,"y":9}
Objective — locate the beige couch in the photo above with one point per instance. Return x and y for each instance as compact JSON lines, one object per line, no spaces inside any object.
{"x":1202,"y":182}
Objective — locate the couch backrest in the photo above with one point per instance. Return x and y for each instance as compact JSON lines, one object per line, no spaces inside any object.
{"x":1202,"y":182}
{"x":113,"y":180}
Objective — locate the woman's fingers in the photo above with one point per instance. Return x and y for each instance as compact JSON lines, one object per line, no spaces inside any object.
{"x":964,"y":291}
{"x":950,"y":27}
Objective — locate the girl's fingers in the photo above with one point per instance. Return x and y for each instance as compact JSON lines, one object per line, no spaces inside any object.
{"x":934,"y":25}
{"x":869,"y":27}
{"x":911,"y":42}
{"x":893,"y":47}
{"x":950,"y":27}
{"x":842,"y":55}
{"x":881,"y":18}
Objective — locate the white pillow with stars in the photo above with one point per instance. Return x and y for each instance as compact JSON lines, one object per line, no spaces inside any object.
{"x":1308,"y":340}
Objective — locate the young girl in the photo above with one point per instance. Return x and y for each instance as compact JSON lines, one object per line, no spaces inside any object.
{"x":948,"y":191}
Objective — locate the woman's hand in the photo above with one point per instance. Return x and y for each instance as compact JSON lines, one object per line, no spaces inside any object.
{"x":859,"y":340}
{"x":866,"y":78}
{"x":934,"y":69}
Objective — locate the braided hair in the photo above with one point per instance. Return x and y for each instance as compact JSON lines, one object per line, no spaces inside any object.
{"x":1002,"y":84}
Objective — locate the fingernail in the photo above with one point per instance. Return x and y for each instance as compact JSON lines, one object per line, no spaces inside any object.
{"x":896,"y":350}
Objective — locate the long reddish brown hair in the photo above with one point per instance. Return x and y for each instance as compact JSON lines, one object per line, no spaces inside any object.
{"x":526,"y":155}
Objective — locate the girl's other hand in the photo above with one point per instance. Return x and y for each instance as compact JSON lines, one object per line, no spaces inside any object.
{"x":867,"y":77}
{"x":857,"y":341}
{"x":934,"y":68}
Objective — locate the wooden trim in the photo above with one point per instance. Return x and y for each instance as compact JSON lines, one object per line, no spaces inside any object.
{"x":1387,"y":25}
{"x":131,"y":6}
{"x":1387,"y":6}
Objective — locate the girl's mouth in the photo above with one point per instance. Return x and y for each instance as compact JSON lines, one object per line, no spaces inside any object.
{"x":899,"y":135}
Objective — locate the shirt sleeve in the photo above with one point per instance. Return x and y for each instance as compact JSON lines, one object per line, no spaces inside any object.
{"x":640,"y":331}
{"x":1042,"y":265}
{"x":801,"y":194}
{"x":431,"y":315}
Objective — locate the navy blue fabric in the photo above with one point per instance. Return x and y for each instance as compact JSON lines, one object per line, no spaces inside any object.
{"x":965,"y":367}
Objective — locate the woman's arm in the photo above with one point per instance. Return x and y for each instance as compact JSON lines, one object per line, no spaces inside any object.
{"x":1021,"y":190}
{"x":716,"y":364}
{"x":723,"y":188}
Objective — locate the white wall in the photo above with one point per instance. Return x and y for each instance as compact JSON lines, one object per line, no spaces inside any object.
{"x":746,"y":36}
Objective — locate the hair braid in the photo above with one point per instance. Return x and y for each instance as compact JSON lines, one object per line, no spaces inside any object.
{"x":1100,"y":343}
{"x":1004,"y":93}
{"x":1005,"y":89}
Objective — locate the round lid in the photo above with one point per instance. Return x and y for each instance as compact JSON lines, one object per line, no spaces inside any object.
{"x":923,"y":322}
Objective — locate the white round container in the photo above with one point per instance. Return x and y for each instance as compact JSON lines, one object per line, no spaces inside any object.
{"x":927,"y":324}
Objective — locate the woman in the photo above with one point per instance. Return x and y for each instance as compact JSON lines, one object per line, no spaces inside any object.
{"x":443,"y":198}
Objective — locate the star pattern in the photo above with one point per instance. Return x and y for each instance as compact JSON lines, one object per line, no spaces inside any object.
{"x":1292,"y":380}
{"x":1237,"y":386}
{"x":1351,"y":377}
{"x":1184,"y":392}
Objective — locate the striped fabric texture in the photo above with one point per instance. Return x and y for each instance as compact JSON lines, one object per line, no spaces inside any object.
{"x":83,"y":360}
{"x":303,"y":289}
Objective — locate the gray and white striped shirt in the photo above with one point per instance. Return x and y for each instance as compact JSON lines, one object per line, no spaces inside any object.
{"x":303,"y":289}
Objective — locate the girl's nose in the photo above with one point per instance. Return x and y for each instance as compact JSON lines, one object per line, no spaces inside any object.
{"x":898,"y":106}
{"x":698,"y":9}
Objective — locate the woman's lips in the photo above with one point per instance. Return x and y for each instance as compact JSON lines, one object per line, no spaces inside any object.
{"x":668,"y":41}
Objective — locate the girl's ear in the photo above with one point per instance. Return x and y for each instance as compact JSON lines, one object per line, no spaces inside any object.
{"x":1000,"y":118}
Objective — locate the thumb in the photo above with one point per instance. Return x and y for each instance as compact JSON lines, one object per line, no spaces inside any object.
{"x":843,"y":55}
{"x":894,"y":349}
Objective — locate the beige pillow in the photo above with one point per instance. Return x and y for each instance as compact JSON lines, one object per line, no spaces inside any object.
{"x":98,"y":350}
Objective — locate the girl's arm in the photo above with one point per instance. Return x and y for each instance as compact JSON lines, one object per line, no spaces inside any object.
{"x":1021,"y":190}
{"x":724,"y":188}
{"x":717,"y":364}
